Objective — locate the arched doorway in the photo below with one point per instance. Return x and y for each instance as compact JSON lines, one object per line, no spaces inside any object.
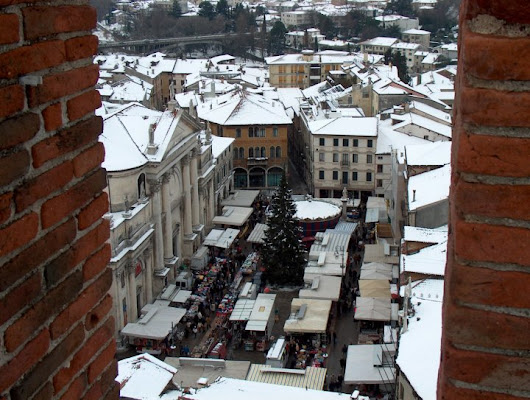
{"x":274,"y":175}
{"x":257,"y":177}
{"x":240,"y":178}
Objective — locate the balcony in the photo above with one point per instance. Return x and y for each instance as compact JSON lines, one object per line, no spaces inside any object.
{"x":345,"y":163}
{"x":257,"y":161}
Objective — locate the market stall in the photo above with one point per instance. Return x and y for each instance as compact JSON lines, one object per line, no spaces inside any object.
{"x":221,"y":240}
{"x":260,"y":322}
{"x":258,"y":234}
{"x":250,"y":265}
{"x":322,"y":287}
{"x":235,"y":217}
{"x":374,"y":288}
{"x":241,"y":198}
{"x":156,"y":327}
{"x":374,"y":270}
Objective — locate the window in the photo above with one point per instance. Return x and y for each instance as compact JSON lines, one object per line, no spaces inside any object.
{"x":366,"y":95}
{"x":370,"y":143}
{"x":122,"y":279}
{"x":335,"y":157}
{"x":355,"y":158}
{"x":236,"y":154}
{"x":379,"y":157}
{"x":241,"y":153}
{"x":368,"y":177}
{"x":271,"y":152}
{"x":219,"y":130}
{"x":344,"y":177}
{"x":369,"y":159}
{"x":335,"y":175}
{"x":322,"y":142}
{"x":426,"y":137}
{"x":275,"y":131}
{"x":321,"y":174}
{"x":251,"y":152}
{"x":379,"y":183}
{"x":322,"y":157}
{"x":278,"y":152}
{"x":354,"y":176}
{"x":355,"y":142}
{"x":345,"y":159}
{"x":256,"y":152}
{"x":260,"y":132}
{"x":335,"y":142}
{"x":345,"y":142}
{"x":238,"y":132}
{"x":263,"y":153}
{"x":380,"y":168}
{"x":250,"y":131}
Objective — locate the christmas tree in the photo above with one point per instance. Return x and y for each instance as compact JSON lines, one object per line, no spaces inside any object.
{"x":283,"y":254}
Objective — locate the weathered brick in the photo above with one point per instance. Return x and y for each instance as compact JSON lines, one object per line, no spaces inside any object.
{"x":53,"y":116}
{"x":28,"y":356}
{"x":93,"y":212}
{"x":83,"y":104}
{"x":66,"y":141}
{"x":45,"y":21}
{"x":18,"y":129}
{"x":43,"y":185}
{"x":18,"y":233}
{"x":5,"y":206}
{"x":471,"y":327}
{"x":41,"y":373}
{"x":494,"y":107}
{"x":12,"y":100}
{"x":96,"y":263}
{"x":37,"y":253}
{"x":82,"y":305}
{"x":106,"y":384}
{"x":450,"y":392}
{"x":13,"y":165}
{"x":56,"y":269}
{"x":89,"y":159}
{"x":499,"y":51}
{"x":63,"y":205}
{"x":81,"y":47}
{"x":483,"y":242}
{"x":83,"y":356}
{"x":76,"y":389}
{"x":501,"y":201}
{"x":26,"y":59}
{"x":19,"y":297}
{"x":513,"y":11}
{"x":103,"y":360}
{"x":18,"y":332}
{"x":92,"y":241}
{"x":493,"y":155}
{"x":62,"y":84}
{"x":9,"y":32}
{"x":484,"y":369}
{"x":98,"y":313}
{"x":480,"y":285}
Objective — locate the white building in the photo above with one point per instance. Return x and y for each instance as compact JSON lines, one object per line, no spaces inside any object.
{"x":378,"y":45}
{"x":161,"y":193}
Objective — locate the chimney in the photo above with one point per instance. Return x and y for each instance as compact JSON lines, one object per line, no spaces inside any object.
{"x":171,"y":105}
{"x":413,"y":195}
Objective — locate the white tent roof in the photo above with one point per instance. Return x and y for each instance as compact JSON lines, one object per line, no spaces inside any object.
{"x":258,"y":234}
{"x":235,"y":216}
{"x":313,"y":320}
{"x":322,"y":287}
{"x":242,"y":310}
{"x":375,"y":270}
{"x":372,"y":309}
{"x":241,"y":198}
{"x":221,"y":237}
{"x":261,"y":312}
{"x":156,"y":322}
{"x":363,"y":364}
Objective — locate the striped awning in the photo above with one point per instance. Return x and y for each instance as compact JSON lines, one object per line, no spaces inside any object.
{"x":310,"y":378}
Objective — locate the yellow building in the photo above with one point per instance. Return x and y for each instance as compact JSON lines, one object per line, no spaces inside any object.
{"x":260,"y":128}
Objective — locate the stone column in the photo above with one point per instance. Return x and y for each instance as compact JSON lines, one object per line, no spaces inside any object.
{"x":211,"y":214}
{"x":148,"y":257}
{"x":155,"y":187}
{"x":168,"y":226}
{"x":133,"y":314}
{"x":187,"y":197}
{"x":195,"y":189}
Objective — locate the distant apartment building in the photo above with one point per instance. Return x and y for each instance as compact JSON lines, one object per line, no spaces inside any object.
{"x":295,"y":18}
{"x":418,"y":36}
{"x":378,"y":45}
{"x":403,"y":23}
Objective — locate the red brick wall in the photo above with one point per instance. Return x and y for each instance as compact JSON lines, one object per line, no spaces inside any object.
{"x":56,"y":333}
{"x":486,"y":320}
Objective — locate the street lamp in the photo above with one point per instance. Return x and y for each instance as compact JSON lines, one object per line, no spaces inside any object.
{"x":340,"y":249}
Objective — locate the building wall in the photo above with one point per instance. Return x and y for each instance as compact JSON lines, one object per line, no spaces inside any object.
{"x":432,"y":216}
{"x":55,"y":326}
{"x":486,"y":306}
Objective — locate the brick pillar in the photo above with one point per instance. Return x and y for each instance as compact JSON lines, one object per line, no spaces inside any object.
{"x":56,"y":332}
{"x":486,"y":324}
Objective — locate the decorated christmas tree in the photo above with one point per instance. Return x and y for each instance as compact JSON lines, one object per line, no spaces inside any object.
{"x":283,"y":254}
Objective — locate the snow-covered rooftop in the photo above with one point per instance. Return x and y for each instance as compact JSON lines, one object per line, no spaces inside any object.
{"x":421,"y":121}
{"x":389,"y":139}
{"x":425,"y":235}
{"x":430,"y":260}
{"x":419,"y":346}
{"x":315,"y":209}
{"x":344,"y":126}
{"x":429,"y":187}
{"x":432,"y":153}
{"x":380,"y":41}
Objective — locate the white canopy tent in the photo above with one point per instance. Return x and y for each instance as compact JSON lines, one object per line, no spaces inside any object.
{"x":308,"y":316}
{"x":261,"y":318}
{"x":156,"y":322}
{"x":222,"y":238}
{"x":370,"y":364}
{"x":234,"y":216}
{"x":322,"y":287}
{"x":373,"y":309}
{"x":241,"y":198}
{"x":375,"y":270}
{"x":258,"y":234}
{"x":374,"y":288}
